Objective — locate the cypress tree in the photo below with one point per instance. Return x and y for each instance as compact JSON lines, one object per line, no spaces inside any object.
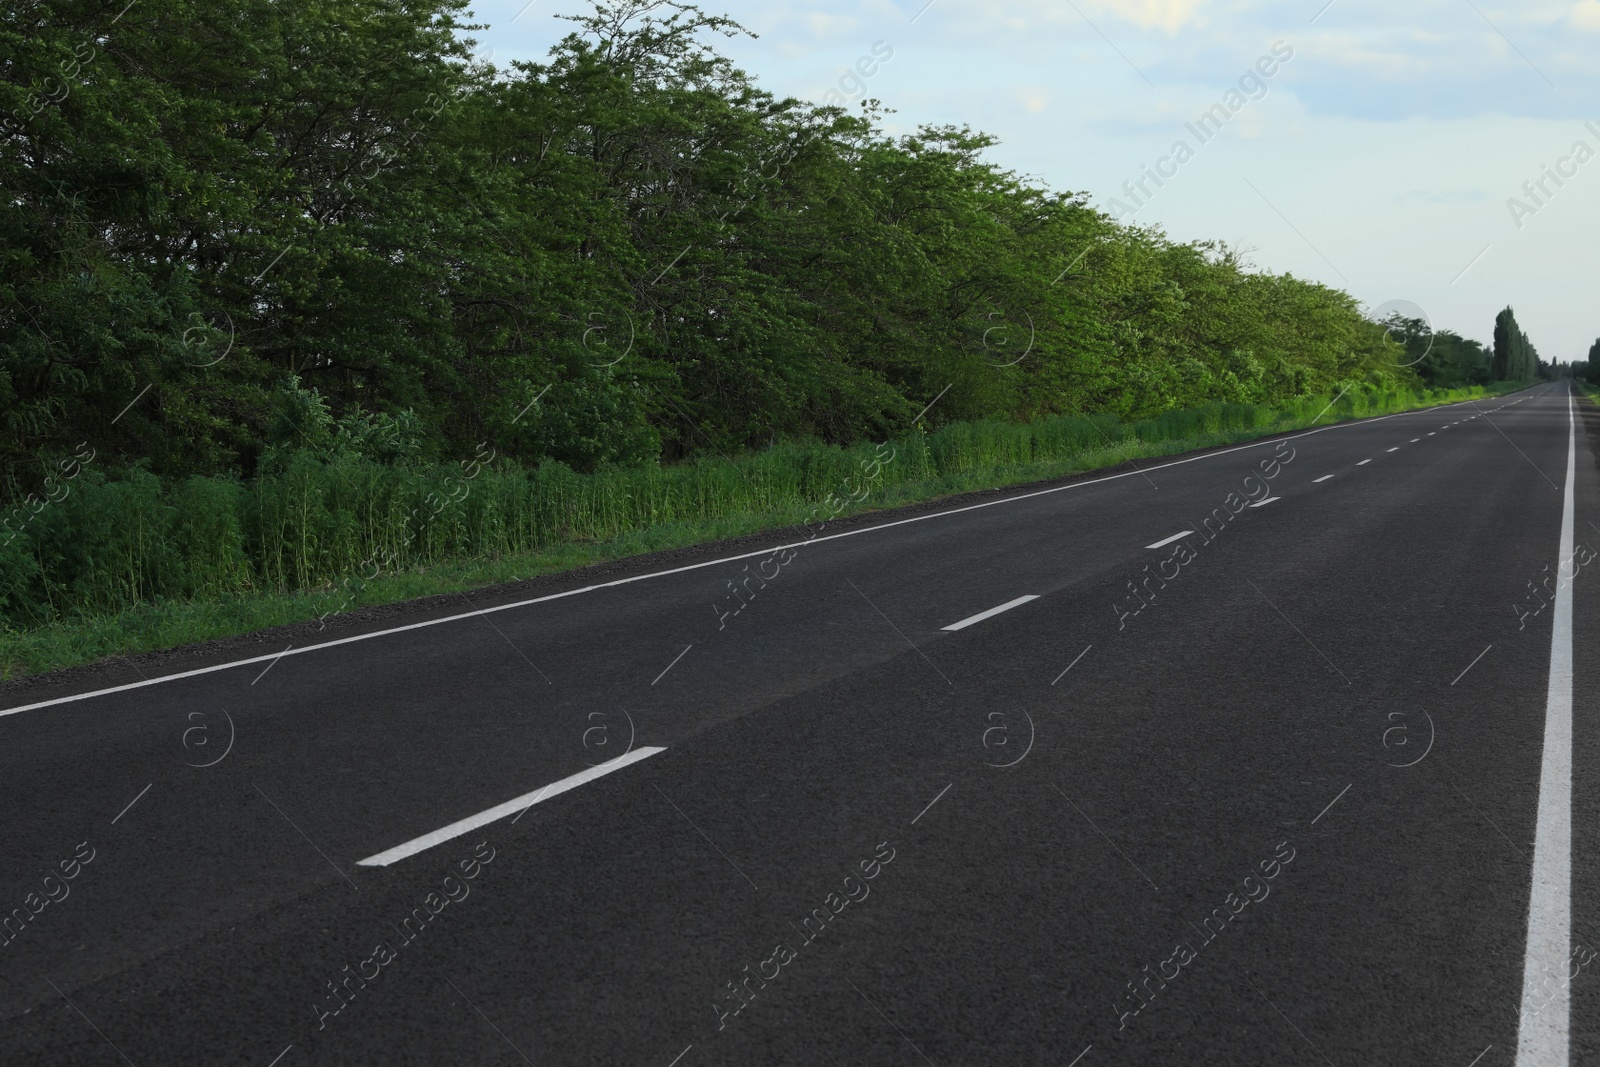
{"x":1515,"y":357}
{"x":1502,"y":368}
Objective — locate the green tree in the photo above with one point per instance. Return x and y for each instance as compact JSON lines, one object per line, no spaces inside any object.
{"x":626,"y":253}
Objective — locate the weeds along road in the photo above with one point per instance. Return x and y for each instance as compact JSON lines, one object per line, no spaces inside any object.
{"x":1266,"y":756}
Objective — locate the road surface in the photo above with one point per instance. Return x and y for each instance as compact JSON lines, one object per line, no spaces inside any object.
{"x":1311,"y":782}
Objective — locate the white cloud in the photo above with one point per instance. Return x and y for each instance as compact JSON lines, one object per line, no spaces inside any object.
{"x":1586,"y":15}
{"x":1168,"y":15}
{"x":825,"y":27}
{"x":1388,"y":60}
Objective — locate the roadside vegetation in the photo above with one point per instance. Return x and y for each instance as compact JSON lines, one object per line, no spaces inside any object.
{"x":138,"y":563}
{"x":311,"y":305}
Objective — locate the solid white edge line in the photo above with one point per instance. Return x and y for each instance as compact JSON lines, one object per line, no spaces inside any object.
{"x":500,"y":811}
{"x":1324,"y":478}
{"x":1268,"y":500}
{"x":1164,"y":542}
{"x":1542,"y":1038}
{"x":980,"y":616}
{"x":178,"y":676}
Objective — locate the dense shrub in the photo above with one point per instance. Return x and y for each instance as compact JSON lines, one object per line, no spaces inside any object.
{"x":327,"y":517}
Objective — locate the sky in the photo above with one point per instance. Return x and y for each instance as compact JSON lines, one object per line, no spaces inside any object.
{"x":1401,"y":151}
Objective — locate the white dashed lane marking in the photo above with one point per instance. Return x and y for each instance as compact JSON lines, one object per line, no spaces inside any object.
{"x":500,"y":811}
{"x":1164,"y":542}
{"x":980,"y":616}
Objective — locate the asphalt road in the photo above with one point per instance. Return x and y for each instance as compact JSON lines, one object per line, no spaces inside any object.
{"x":1289,"y":810}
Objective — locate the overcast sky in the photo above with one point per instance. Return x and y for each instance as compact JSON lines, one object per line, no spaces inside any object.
{"x":1378,"y":157}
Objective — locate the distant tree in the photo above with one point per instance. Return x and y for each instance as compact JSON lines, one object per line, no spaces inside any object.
{"x":1515,"y":357}
{"x":1505,"y":332}
{"x":1454,"y":361}
{"x":1443,"y":359}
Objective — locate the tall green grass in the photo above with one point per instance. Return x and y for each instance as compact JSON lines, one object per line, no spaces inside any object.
{"x":88,"y":574}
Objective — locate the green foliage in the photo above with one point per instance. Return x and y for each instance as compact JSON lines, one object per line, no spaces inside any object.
{"x":1515,"y":358}
{"x":234,"y":204}
{"x":276,"y":263}
{"x":1588,"y":369}
{"x":1443,"y":359}
{"x":301,"y":422}
{"x":331,"y":518}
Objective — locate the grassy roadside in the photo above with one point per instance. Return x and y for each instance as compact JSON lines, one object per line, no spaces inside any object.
{"x":171,"y":622}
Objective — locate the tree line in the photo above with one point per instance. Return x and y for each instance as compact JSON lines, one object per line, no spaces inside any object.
{"x":1515,"y":358}
{"x":235,"y":230}
{"x":1588,"y":369}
